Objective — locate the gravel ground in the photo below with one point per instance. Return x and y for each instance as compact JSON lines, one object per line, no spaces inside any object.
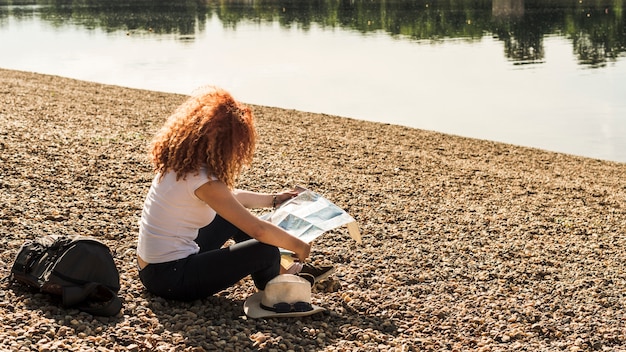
{"x":469,"y":245}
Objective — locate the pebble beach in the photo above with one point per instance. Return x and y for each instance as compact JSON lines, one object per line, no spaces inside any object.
{"x":468,"y":245}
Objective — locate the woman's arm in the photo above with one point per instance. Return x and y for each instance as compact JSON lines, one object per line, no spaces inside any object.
{"x":219,"y":197}
{"x":252,"y":200}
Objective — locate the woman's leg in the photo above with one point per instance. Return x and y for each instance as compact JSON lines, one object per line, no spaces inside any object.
{"x":164,"y":279}
{"x":213,"y":271}
{"x":214,"y":268}
{"x":214,"y":235}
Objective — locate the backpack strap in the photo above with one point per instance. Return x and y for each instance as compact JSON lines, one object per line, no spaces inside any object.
{"x":93,"y":298}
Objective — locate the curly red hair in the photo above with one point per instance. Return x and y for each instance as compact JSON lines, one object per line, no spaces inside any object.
{"x":209,"y":129}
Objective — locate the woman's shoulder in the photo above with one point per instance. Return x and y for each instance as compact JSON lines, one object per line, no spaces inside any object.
{"x":200,"y":177}
{"x":203,"y":174}
{"x":193,"y":179}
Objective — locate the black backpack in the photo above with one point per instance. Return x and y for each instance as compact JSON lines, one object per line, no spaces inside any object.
{"x":79,"y":269}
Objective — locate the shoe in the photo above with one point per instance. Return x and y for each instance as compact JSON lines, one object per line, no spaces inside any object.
{"x":319,"y":273}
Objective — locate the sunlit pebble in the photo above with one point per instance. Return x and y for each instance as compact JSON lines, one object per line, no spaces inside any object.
{"x":398,"y":282}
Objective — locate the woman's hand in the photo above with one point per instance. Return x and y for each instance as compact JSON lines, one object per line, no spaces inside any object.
{"x":284,"y":196}
{"x":304,"y":253}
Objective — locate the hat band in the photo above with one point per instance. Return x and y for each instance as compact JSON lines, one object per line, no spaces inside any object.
{"x":284,"y":307}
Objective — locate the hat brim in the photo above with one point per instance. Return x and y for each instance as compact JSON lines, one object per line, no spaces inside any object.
{"x":252,"y":308}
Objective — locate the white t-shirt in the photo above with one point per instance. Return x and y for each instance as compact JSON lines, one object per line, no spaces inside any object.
{"x":171,"y":218}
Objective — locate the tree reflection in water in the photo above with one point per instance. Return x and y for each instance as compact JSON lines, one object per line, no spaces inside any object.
{"x":596,"y":30}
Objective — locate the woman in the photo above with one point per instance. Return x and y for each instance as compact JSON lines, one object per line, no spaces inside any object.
{"x":192,"y":207}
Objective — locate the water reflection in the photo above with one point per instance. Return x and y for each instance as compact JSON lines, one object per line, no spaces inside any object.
{"x":507,"y":8}
{"x":596,"y":28}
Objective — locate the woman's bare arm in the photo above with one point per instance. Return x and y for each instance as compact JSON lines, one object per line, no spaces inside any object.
{"x":219,"y":197}
{"x":253,"y":200}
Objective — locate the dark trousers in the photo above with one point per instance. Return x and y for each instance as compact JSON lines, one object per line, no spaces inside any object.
{"x":213,"y":268}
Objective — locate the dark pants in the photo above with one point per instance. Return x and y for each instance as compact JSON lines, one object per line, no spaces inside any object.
{"x":213,"y":268}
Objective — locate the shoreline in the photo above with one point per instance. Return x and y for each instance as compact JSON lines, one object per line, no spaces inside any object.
{"x":468,"y":244}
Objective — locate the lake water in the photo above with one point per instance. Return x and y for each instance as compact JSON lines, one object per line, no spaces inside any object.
{"x":515,"y":71}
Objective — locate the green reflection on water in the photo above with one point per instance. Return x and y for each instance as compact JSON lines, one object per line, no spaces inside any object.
{"x":596,"y":28}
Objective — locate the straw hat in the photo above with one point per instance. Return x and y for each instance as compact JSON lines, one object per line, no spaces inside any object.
{"x":285,"y":295}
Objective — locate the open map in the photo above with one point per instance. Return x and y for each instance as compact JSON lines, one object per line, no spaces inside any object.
{"x":308,"y":215}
